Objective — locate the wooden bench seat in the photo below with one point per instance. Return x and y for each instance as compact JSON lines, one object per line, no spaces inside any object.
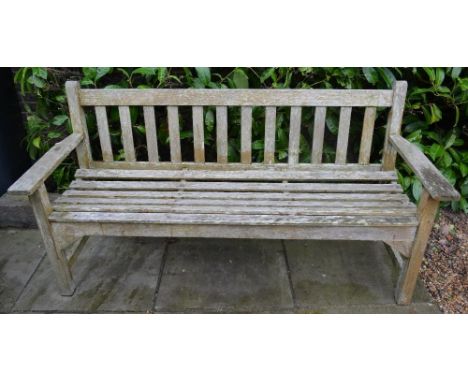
{"x":121,"y":192}
{"x":234,"y":203}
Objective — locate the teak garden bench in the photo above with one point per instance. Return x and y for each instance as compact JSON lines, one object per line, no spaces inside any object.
{"x":341,"y":201}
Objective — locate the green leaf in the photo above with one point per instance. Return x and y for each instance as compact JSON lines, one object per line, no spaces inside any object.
{"x":37,"y":142}
{"x":144,"y":71}
{"x":371,"y":75}
{"x":430,"y":73}
{"x":40,"y":72}
{"x":463,"y":169}
{"x":36,"y":81}
{"x":59,"y":119}
{"x":450,"y":141}
{"x":204,"y":74}
{"x":450,"y":175}
{"x":446,"y":159}
{"x":455,"y":73}
{"x":53,"y":134}
{"x":267,"y":74}
{"x":387,"y":76}
{"x":258,"y":145}
{"x":86,"y":82}
{"x":416,"y":189}
{"x":433,"y":113}
{"x":439,"y":76}
{"x":241,"y":81}
{"x":101,"y":72}
{"x":435,"y":151}
{"x":209,"y":120}
{"x":162,"y":74}
{"x":186,"y":134}
{"x":89,"y":73}
{"x":463,"y":82}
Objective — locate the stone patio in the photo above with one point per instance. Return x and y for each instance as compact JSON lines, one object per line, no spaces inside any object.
{"x":130,"y":275}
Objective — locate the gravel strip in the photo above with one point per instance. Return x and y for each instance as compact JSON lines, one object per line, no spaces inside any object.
{"x":445,"y":267}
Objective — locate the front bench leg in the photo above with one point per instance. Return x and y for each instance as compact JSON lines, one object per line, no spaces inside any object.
{"x":42,"y":209}
{"x":427,"y":210}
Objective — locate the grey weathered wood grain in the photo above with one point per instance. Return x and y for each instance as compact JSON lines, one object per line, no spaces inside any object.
{"x":127,"y":134}
{"x":323,"y":210}
{"x":407,"y":282}
{"x":395,"y":117}
{"x":41,"y":207}
{"x":237,"y":175}
{"x":354,"y":188}
{"x":144,"y":165}
{"x":198,"y":134}
{"x":104,"y":136}
{"x":222,"y":134}
{"x":367,"y":135}
{"x":174,"y":218}
{"x":431,"y":178}
{"x":319,"y":131}
{"x":151,"y":134}
{"x":236,"y":232}
{"x":270,"y":135}
{"x":174,"y":133}
{"x":294,"y":135}
{"x":32,"y":179}
{"x":235,"y":97}
{"x":246,"y":134}
{"x":343,"y":135}
{"x":78,"y":121}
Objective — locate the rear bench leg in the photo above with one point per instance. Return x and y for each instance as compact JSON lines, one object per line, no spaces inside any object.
{"x":427,"y":210}
{"x":42,"y":209}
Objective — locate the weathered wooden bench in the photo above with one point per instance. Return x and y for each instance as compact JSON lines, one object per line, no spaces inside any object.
{"x":341,"y":201}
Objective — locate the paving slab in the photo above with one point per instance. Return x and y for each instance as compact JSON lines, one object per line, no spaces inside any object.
{"x":347,"y":277}
{"x":21,"y":251}
{"x":203,"y":275}
{"x":113,"y":274}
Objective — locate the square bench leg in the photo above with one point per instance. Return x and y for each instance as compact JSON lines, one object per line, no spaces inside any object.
{"x":41,"y":207}
{"x":427,"y":210}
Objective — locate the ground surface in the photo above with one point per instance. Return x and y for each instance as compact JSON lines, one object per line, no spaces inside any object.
{"x":205,"y":276}
{"x":445,"y":267}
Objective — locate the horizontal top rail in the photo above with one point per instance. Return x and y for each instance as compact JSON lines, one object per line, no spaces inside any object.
{"x":235,"y":97}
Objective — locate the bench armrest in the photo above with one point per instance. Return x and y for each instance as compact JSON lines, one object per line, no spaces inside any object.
{"x":431,"y":178}
{"x":40,"y":171}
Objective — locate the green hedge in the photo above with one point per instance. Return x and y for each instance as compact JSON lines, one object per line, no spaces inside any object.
{"x":435,"y":116}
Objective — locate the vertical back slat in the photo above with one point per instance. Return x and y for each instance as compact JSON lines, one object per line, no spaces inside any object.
{"x":198,"y":134}
{"x":319,"y":132}
{"x":127,"y":135}
{"x":221,"y":134}
{"x":174,"y":135}
{"x":103,"y":131}
{"x":246,"y":134}
{"x":343,"y":135}
{"x":270,"y":132}
{"x":294,"y":134}
{"x":151,"y":133}
{"x":394,"y":123}
{"x":367,"y":135}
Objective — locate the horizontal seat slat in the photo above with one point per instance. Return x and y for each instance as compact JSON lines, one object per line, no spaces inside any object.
{"x":238,"y":220}
{"x":268,"y":175}
{"x":181,"y":201}
{"x":325,"y":210}
{"x":233,"y":195}
{"x":236,"y":186}
{"x":235,"y":97}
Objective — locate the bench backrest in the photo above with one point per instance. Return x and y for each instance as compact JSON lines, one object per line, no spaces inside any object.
{"x":221,"y":99}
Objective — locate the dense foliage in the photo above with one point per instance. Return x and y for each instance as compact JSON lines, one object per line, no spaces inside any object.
{"x":436,"y":114}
